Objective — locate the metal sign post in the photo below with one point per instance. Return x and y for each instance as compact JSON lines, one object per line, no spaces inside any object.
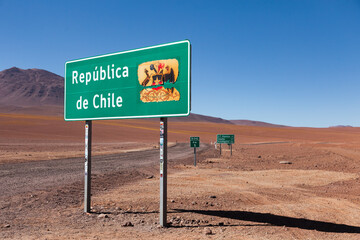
{"x":163,"y":171}
{"x":87,"y":183}
{"x":230,"y":147}
{"x":195,"y":156}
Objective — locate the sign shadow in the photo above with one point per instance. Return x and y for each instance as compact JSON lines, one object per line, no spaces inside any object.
{"x":278,"y":220}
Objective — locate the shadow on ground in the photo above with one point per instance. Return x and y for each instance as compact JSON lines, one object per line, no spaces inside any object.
{"x":277,"y":220}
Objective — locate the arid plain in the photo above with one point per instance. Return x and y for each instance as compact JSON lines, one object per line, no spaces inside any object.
{"x":249,"y":195}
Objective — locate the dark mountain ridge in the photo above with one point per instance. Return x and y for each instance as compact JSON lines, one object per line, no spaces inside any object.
{"x":255,"y":123}
{"x":34,"y":90}
{"x":30,"y":87}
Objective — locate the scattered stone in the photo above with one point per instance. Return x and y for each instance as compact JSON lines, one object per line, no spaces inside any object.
{"x":194,"y":203}
{"x":285,"y":162}
{"x":207,"y":231}
{"x":172,"y":200}
{"x":175,"y":220}
{"x":159,"y":226}
{"x":128,"y":224}
{"x":213,"y":196}
{"x":6,"y":225}
{"x":150,"y":177}
{"x":102,"y":215}
{"x":259,"y":156}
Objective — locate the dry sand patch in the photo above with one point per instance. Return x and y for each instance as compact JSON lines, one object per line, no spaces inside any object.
{"x":278,"y":194}
{"x":231,"y":180}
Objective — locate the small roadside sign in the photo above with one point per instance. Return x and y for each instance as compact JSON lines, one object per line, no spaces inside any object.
{"x":227,"y":139}
{"x":195,"y":142}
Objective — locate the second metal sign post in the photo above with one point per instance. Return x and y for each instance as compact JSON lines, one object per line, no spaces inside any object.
{"x":163,"y":171}
{"x":87,"y":182}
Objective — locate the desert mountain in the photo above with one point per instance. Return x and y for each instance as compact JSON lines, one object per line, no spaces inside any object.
{"x":31,"y":87}
{"x":193,"y":117}
{"x":254,"y":123}
{"x":341,"y":126}
{"x":32,"y":91}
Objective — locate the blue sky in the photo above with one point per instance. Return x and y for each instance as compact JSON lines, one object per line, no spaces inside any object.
{"x":291,"y":62}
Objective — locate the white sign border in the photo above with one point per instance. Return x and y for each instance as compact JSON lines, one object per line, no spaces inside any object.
{"x":131,"y":117}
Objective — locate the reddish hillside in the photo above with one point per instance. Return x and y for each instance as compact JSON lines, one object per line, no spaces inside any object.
{"x":36,"y":91}
{"x":254,"y":123}
{"x":31,"y":87}
{"x":193,"y":117}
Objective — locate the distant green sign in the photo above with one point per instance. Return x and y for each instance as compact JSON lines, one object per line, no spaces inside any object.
{"x":225,"y":138}
{"x":141,"y":83}
{"x":195,"y":142}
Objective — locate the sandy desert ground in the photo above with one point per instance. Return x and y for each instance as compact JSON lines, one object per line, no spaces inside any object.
{"x":249,"y":195}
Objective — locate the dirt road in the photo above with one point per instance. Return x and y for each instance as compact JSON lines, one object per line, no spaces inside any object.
{"x":34,"y":189}
{"x":19,"y":178}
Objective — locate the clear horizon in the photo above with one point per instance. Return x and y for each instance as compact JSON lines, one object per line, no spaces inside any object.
{"x":293,"y":63}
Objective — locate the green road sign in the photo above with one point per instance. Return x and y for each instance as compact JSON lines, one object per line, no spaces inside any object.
{"x":225,"y":138}
{"x":195,"y":142}
{"x":141,"y":83}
